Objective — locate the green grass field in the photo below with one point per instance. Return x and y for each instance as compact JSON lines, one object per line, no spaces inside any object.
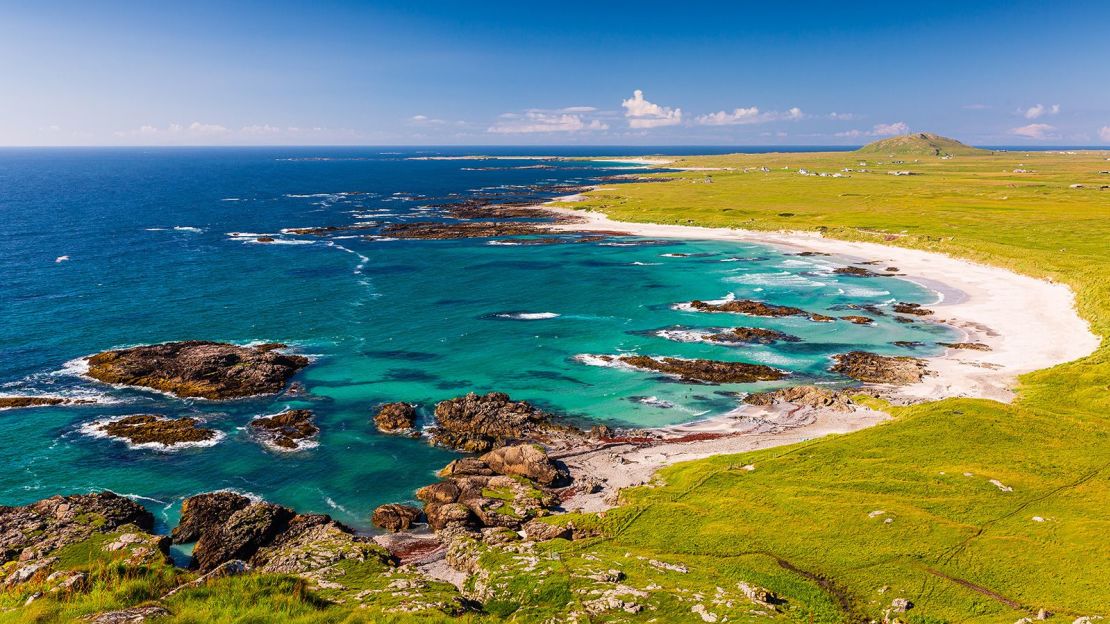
{"x":802,"y":523}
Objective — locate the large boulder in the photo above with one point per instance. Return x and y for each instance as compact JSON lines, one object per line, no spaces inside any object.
{"x":396,"y":418}
{"x":31,"y":531}
{"x":206,"y":512}
{"x":476,"y":423}
{"x":396,"y":517}
{"x":194,"y":368}
{"x":525,"y":460}
{"x":240,"y":537}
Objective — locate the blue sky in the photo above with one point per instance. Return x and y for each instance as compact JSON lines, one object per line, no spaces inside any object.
{"x":484,"y":73}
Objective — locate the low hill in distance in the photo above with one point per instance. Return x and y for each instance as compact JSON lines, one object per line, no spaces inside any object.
{"x":920,"y":144}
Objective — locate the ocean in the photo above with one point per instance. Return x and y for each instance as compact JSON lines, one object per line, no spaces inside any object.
{"x":104,"y":248}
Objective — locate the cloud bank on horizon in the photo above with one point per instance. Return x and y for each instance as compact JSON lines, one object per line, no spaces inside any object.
{"x":393,"y":73}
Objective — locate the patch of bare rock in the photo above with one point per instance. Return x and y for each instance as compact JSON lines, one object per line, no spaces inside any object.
{"x":16,"y":402}
{"x":156,"y":429}
{"x":803,"y":396}
{"x":195,"y":368}
{"x":752,"y":335}
{"x":704,"y":371}
{"x":478,"y":423}
{"x":757,"y":308}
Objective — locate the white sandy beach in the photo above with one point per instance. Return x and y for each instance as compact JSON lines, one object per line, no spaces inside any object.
{"x":1029,"y":324}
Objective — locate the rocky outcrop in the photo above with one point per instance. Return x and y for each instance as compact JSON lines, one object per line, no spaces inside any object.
{"x":477,"y":493}
{"x":268,"y":537}
{"x":395,"y":517}
{"x":32,"y":531}
{"x":206,"y":512}
{"x":438,"y":230}
{"x":858,"y":320}
{"x":752,"y":335}
{"x":134,"y":615}
{"x":396,"y":418}
{"x":972,"y":346}
{"x":803,"y":396}
{"x":289,"y":430}
{"x":209,"y":370}
{"x":240,"y":535}
{"x":911,"y":308}
{"x":852,"y":271}
{"x":525,"y":460}
{"x":478,"y":423}
{"x":15,"y":402}
{"x":756,"y":308}
{"x":707,"y":371}
{"x":873,"y":368}
{"x":156,"y":429}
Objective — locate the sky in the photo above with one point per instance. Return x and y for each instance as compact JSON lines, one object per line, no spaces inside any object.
{"x":556,"y":73}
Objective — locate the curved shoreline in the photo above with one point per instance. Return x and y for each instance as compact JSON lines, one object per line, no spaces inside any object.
{"x":1028,"y":323}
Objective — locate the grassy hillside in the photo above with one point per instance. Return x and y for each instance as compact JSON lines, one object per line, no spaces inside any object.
{"x":919,"y":144}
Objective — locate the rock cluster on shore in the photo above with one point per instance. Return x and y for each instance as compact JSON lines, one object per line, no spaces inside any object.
{"x":194,"y":368}
{"x":752,"y":335}
{"x":914,"y":309}
{"x":478,"y":423}
{"x":757,"y":308}
{"x":803,"y":396}
{"x":882,"y":369}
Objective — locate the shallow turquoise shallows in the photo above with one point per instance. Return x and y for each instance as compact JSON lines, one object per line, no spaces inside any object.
{"x":107,"y":248}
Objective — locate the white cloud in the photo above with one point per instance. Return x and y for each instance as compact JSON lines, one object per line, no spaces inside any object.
{"x":744,"y":116}
{"x":1040,"y":110}
{"x":534,"y":121}
{"x":644,"y":114}
{"x":1038,"y":131}
{"x":843,"y":116}
{"x":174,"y":130}
{"x":424,"y":120}
{"x":260,"y":130}
{"x":577,"y":109}
{"x":1104,"y":134}
{"x":890,"y":129}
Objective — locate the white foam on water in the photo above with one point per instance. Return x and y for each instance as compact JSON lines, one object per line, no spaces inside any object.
{"x":638,"y":263}
{"x":528,"y":316}
{"x":599,"y":360}
{"x":780,"y":279}
{"x":155,"y":229}
{"x":362,"y":260}
{"x":60,"y":259}
{"x":655,"y":401}
{"x":686,"y":307}
{"x":859,"y":291}
{"x":682,"y":335}
{"x":188,"y":228}
{"x":673,"y":255}
{"x":502,"y":243}
{"x":334,"y":505}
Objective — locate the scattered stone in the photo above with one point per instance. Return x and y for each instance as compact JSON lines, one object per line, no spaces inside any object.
{"x":395,"y":517}
{"x":156,"y":429}
{"x":752,"y":335}
{"x":805,"y":396}
{"x":873,"y":368}
{"x":709,"y":371}
{"x":396,"y":418}
{"x":758,"y":595}
{"x":1001,"y":486}
{"x":209,"y":370}
{"x":289,"y":430}
{"x":900,"y":605}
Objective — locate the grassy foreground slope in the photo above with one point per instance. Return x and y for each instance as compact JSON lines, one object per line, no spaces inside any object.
{"x":958,"y":546}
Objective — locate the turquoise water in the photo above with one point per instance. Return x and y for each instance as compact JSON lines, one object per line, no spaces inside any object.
{"x":152,"y":257}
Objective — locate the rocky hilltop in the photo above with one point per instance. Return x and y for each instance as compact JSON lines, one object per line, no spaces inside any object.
{"x":920,"y":144}
{"x":209,"y":370}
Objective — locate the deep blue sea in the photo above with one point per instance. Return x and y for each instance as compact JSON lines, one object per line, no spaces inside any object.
{"x":103,"y":248}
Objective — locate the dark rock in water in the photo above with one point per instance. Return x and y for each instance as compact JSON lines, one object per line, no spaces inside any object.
{"x":396,"y":418}
{"x":911,"y":308}
{"x":328,"y":229}
{"x":973,"y":346}
{"x":805,"y":396}
{"x":873,"y":368}
{"x":477,"y":209}
{"x":525,"y":460}
{"x":31,"y":531}
{"x":241,"y":535}
{"x":437,"y":230}
{"x":288,"y":430}
{"x":476,"y":423}
{"x":756,"y":308}
{"x":858,"y":320}
{"x":821,"y":318}
{"x":206,"y":512}
{"x":264,"y":239}
{"x":156,"y":429}
{"x":752,"y":335}
{"x":710,"y":371}
{"x":908,"y":344}
{"x":396,"y":517}
{"x":852,"y":271}
{"x":811,"y":253}
{"x":15,"y":402}
{"x":903,"y":320}
{"x":209,"y":370}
